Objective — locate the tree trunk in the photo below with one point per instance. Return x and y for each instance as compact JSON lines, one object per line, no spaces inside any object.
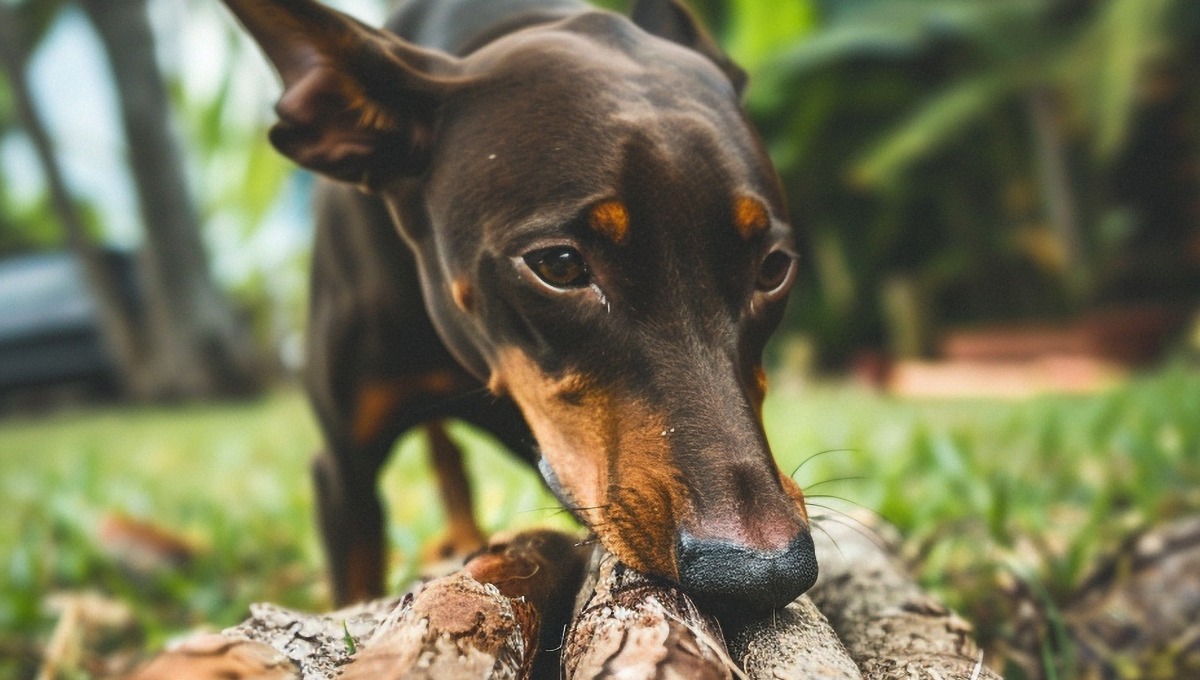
{"x":118,"y":324}
{"x":200,"y":346}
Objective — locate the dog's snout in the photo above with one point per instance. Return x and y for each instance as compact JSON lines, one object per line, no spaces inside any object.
{"x":732,"y":579}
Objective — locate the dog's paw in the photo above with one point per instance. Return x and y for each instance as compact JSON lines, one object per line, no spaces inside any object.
{"x":448,"y":553}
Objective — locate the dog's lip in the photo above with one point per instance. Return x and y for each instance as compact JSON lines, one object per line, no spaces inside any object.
{"x":556,"y":487}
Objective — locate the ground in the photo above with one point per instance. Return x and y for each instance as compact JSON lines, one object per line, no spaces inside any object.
{"x":178,"y":518}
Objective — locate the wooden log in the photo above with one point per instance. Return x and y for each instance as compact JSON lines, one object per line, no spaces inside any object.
{"x":891,"y":627}
{"x":483,"y":622}
{"x":1140,"y":609}
{"x":453,"y":627}
{"x":274,"y":644}
{"x":218,"y":656}
{"x":795,"y":642}
{"x":632,"y":627}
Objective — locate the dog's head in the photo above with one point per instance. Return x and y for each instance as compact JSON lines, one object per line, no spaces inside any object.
{"x":601,"y":238}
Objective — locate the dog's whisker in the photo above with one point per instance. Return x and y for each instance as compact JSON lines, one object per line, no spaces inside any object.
{"x":853,"y":478}
{"x":562,"y":640}
{"x":857,"y":526}
{"x":872,"y":511}
{"x":831,"y":537}
{"x":817,"y":455}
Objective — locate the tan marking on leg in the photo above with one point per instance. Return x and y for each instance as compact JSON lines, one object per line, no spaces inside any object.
{"x":750,"y":216}
{"x":611,"y":219}
{"x":439,"y":382}
{"x":463,"y":295}
{"x":760,"y":381}
{"x":760,"y":390}
{"x":364,"y":573}
{"x":373,"y":410}
{"x":378,"y":402}
{"x":463,"y":535}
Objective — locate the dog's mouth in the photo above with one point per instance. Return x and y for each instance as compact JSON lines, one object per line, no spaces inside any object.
{"x":728,"y":577}
{"x":725,"y":525}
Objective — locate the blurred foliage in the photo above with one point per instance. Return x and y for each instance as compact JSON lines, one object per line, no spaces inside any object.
{"x":984,"y":154}
{"x":991,"y":160}
{"x":239,"y":170}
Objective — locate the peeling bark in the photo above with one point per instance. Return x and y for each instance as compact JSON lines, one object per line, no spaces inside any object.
{"x":891,"y":628}
{"x":483,"y":621}
{"x":797,"y":642}
{"x":631,"y":626}
{"x":455,"y":627}
{"x":1141,"y":609}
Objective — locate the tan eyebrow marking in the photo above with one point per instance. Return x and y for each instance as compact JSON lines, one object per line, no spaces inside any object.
{"x":463,"y":295}
{"x":749,"y":216}
{"x":611,"y":219}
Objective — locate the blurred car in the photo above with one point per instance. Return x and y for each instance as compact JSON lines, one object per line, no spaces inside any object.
{"x":49,"y":323}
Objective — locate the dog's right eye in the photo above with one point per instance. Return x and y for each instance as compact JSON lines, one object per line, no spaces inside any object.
{"x":559,"y":267}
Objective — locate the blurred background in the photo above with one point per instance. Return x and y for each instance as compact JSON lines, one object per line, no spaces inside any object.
{"x":993,"y":344}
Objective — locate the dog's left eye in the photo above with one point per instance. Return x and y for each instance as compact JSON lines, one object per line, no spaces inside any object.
{"x":559,"y":267}
{"x":775,"y":271}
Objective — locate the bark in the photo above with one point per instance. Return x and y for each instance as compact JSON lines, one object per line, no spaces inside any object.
{"x":631,"y":626}
{"x":1141,"y":608}
{"x":278,"y":643}
{"x":797,"y":642}
{"x":455,"y":627}
{"x":891,"y":628}
{"x":452,"y":627}
{"x":484,"y":620}
{"x":201,"y":348}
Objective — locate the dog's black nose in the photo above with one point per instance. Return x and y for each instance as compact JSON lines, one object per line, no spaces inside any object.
{"x":734,"y":580}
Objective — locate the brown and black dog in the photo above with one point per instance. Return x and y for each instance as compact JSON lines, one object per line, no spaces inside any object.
{"x":564,"y":231}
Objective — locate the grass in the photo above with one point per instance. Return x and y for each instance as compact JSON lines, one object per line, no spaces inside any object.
{"x":1003,"y":502}
{"x":983,"y":490}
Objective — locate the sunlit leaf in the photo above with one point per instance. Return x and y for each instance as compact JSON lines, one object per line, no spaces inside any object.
{"x":1131,"y":30}
{"x":933,"y":125}
{"x":758,"y":29}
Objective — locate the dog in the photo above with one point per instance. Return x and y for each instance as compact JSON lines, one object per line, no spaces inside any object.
{"x":553,"y":222}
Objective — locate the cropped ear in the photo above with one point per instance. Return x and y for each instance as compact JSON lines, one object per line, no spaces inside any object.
{"x":672,"y":20}
{"x":358,"y":103}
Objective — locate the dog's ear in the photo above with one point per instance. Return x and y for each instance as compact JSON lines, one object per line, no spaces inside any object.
{"x":671,"y":19}
{"x":358,"y":103}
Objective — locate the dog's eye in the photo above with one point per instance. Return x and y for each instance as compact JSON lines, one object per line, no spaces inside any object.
{"x":560,"y":267}
{"x":775,"y":270}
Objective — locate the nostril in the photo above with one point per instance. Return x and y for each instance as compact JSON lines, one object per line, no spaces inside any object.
{"x":732,"y":579}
